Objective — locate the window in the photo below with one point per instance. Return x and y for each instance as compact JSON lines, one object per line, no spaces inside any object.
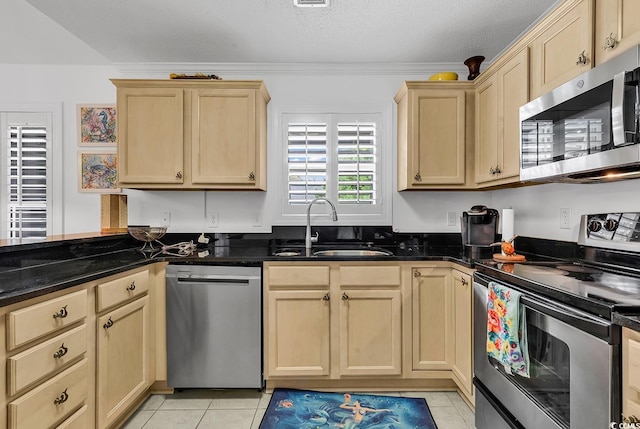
{"x":31,"y":162}
{"x":339,"y":157}
{"x":27,"y":181}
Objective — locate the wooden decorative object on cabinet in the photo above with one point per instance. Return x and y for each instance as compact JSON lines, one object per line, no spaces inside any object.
{"x":498,"y":100}
{"x":617,"y":28}
{"x":435,"y":123}
{"x":563,"y":49}
{"x":203,"y":134}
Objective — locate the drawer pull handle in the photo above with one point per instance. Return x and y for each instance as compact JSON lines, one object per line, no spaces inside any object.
{"x":132,"y":286}
{"x":108,"y":324}
{"x":464,"y":282}
{"x":252,"y":177}
{"x":610,"y":42}
{"x":345,"y":297}
{"x":62,"y":398}
{"x":418,"y":177}
{"x":61,"y":314}
{"x":326,"y":297}
{"x":61,"y":352}
{"x":416,"y":274}
{"x":179,"y":175}
{"x":582,"y":59}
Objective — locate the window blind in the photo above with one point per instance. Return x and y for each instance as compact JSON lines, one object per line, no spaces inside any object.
{"x":27,"y":181}
{"x":307,"y":162}
{"x":356,"y":163}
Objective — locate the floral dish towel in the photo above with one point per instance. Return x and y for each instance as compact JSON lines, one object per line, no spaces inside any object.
{"x":507,"y":329}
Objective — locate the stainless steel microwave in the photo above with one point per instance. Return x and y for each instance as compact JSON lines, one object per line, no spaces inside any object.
{"x":586,"y":130}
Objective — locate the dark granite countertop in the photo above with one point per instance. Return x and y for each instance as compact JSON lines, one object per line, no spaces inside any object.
{"x":36,"y":270}
{"x":630,"y":321}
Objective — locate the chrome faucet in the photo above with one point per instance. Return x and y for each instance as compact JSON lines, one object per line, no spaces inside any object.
{"x":308,"y":239}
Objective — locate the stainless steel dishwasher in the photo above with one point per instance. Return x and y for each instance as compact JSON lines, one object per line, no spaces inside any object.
{"x":214,"y":327}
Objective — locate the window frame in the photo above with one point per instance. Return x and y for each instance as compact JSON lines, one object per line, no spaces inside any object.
{"x":348,"y":214}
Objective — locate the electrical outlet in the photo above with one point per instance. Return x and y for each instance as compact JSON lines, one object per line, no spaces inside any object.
{"x":257,"y":219}
{"x":565,"y":218}
{"x":213,"y":220}
{"x":451,"y":218}
{"x":165,"y":218}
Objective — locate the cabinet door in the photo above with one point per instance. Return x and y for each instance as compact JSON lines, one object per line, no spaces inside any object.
{"x":297,"y":339}
{"x":462,"y":331}
{"x":224,"y":137}
{"x":370,"y":332}
{"x":122,"y":359}
{"x":513,"y":92}
{"x":487,"y":129}
{"x":150,"y":136}
{"x":432,"y":319}
{"x":556,"y":54}
{"x":617,"y":27}
{"x":437,"y":137}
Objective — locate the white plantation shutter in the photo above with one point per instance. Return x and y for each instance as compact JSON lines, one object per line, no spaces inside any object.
{"x":356,"y":163}
{"x":335,"y":156}
{"x":27,"y":181}
{"x":306,"y":162}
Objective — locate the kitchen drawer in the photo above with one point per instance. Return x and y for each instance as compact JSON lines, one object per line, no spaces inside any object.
{"x":370,"y":275}
{"x":45,"y":358}
{"x":51,"y":401}
{"x":304,"y":275}
{"x":123,"y":289}
{"x":77,"y":420}
{"x":37,"y":320}
{"x":633,"y":367}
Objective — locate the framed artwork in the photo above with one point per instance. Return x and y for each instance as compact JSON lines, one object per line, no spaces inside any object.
{"x":97,"y":124}
{"x":98,"y":172}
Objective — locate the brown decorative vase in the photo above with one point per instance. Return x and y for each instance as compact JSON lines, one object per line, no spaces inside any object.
{"x":474,"y":66}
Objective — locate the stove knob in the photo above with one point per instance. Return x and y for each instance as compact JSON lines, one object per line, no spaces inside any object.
{"x":610,"y":224}
{"x":594,"y":225}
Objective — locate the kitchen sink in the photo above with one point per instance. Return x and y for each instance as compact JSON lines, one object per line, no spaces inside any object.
{"x":288,"y":253}
{"x":352,"y":252}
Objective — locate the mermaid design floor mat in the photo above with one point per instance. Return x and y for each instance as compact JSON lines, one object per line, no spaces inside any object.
{"x":306,"y":409}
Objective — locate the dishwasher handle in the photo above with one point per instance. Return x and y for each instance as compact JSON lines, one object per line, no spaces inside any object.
{"x":209,"y":279}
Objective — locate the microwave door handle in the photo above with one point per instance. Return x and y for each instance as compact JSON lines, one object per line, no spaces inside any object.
{"x":617,"y":110}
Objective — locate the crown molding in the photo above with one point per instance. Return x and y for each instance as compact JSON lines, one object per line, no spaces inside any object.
{"x":162,"y":70}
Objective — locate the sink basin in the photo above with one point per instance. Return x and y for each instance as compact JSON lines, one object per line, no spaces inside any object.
{"x":288,"y":253}
{"x":352,"y":252}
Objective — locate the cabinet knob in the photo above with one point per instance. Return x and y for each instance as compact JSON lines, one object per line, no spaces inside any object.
{"x":108,"y":324}
{"x":62,"y":398}
{"x":464,"y":281}
{"x":582,"y":59}
{"x":497,"y":170}
{"x":179,"y":175}
{"x":132,"y":286}
{"x":418,"y":177}
{"x":61,"y":314}
{"x":61,"y":352}
{"x":326,"y":297}
{"x":416,"y":274}
{"x":610,"y":42}
{"x":345,"y":297}
{"x":252,"y":177}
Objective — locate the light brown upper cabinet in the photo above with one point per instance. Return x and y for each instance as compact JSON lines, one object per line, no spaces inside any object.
{"x":564,"y":48}
{"x":617,"y":27}
{"x":192,"y":134}
{"x":435,"y":121}
{"x":499,"y":96}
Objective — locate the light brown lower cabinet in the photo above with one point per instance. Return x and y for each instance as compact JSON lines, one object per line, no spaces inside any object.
{"x":122,"y":359}
{"x":630,"y":374}
{"x":368,"y":324}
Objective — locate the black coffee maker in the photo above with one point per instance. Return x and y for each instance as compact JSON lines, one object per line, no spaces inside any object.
{"x":479,"y":230}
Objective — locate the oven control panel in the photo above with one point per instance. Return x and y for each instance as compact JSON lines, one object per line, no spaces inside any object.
{"x":612,"y":230}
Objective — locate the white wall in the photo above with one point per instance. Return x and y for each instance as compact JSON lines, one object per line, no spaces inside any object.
{"x":51,"y":65}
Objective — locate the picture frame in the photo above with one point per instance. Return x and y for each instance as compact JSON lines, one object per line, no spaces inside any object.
{"x":96,"y":124}
{"x":98,"y":172}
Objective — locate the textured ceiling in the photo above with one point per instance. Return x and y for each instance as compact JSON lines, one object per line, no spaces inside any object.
{"x":273,"y":31}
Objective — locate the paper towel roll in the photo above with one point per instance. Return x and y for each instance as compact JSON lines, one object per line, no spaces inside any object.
{"x":507,"y":224}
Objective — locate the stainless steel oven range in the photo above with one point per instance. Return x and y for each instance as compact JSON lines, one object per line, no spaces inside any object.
{"x":573,"y":345}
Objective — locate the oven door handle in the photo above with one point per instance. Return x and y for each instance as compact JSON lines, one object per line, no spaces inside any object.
{"x":591,"y":324}
{"x":569,"y":316}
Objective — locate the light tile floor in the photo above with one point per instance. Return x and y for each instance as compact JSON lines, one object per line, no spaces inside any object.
{"x":243,"y":409}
